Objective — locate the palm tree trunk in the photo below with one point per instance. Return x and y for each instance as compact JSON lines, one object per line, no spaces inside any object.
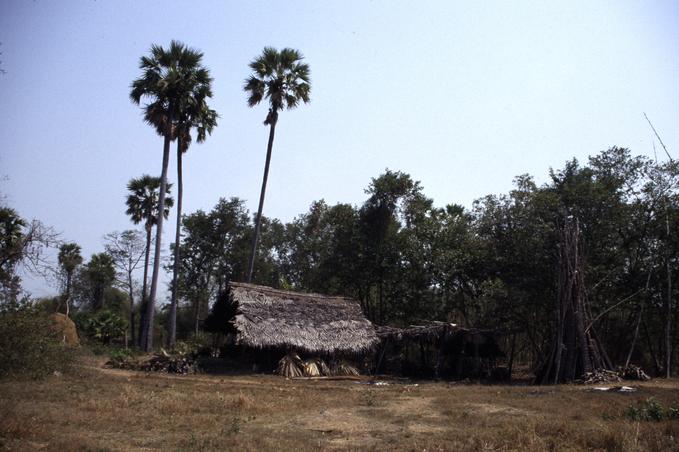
{"x":131,"y":295}
{"x":177,"y":248}
{"x":258,"y":220}
{"x":68,"y":291}
{"x":147,"y":340}
{"x":142,"y":306}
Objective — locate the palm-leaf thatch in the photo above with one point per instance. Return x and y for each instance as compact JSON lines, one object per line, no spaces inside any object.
{"x":323,"y":367}
{"x":311,"y":323}
{"x":342,"y":368}
{"x":291,"y":366}
{"x":311,"y":369}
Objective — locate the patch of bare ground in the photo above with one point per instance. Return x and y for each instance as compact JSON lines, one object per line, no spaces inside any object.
{"x":97,"y":409}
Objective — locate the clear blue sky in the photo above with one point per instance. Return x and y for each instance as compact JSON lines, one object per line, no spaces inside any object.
{"x":461,"y":95}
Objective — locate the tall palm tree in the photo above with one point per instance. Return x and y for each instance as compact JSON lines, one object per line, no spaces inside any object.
{"x":194,"y":113}
{"x":69,"y":259}
{"x":168,"y":78}
{"x":283,"y":79}
{"x":143,"y":206}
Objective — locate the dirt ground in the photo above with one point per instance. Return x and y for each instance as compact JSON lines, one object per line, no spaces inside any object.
{"x":102,"y":409}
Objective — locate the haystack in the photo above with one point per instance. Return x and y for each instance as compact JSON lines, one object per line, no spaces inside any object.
{"x":65,"y":329}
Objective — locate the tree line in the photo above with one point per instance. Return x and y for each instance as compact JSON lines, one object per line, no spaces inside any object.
{"x":495,"y":265}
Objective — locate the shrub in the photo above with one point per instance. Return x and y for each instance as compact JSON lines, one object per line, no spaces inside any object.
{"x":29,"y":344}
{"x":651,"y":410}
{"x":105,"y":325}
{"x":120,"y":354}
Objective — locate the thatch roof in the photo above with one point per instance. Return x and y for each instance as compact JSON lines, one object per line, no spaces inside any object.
{"x":448,"y":336}
{"x":310,"y":322}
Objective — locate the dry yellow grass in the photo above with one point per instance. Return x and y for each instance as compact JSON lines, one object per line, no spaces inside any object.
{"x":100,"y":409}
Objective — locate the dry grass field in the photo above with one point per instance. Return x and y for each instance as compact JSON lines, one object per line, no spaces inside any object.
{"x":101,"y":409}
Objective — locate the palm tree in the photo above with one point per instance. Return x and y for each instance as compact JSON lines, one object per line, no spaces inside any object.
{"x":69,"y":259}
{"x":142,"y":206}
{"x":283,"y":79}
{"x":168,"y":79}
{"x":195,"y":113}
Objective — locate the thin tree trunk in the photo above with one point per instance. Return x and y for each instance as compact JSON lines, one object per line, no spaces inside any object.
{"x":177,"y":248}
{"x":142,"y":306}
{"x":510,"y":365}
{"x":147,"y":340}
{"x":68,"y":291}
{"x":650,"y":348}
{"x":668,"y":309}
{"x":131,"y":295}
{"x":146,"y":262}
{"x":258,"y":220}
{"x":636,"y":329}
{"x":634,"y":339}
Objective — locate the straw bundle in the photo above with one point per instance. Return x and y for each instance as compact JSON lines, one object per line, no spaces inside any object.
{"x":343,"y":368}
{"x":311,"y":369}
{"x":290,"y":366}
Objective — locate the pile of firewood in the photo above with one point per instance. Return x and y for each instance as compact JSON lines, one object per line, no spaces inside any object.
{"x":633,"y":373}
{"x":172,"y":364}
{"x":158,"y":362}
{"x":610,"y":376}
{"x":599,"y":376}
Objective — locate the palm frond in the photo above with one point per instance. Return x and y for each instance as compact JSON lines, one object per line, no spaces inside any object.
{"x":279,"y":77}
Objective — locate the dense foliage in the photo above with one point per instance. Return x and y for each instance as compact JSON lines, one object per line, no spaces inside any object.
{"x":29,"y":343}
{"x":494,"y":266}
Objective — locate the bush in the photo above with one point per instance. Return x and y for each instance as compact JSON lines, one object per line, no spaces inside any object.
{"x":29,"y":344}
{"x":652,"y":410}
{"x":104,"y":326}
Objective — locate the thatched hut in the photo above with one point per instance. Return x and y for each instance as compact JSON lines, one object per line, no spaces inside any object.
{"x":439,"y":350}
{"x":272,"y":322}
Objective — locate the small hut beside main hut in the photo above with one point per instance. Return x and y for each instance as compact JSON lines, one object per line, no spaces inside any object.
{"x":271,"y":323}
{"x":439,"y":350}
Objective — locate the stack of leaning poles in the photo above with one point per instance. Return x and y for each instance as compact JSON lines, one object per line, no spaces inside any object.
{"x":575,"y":349}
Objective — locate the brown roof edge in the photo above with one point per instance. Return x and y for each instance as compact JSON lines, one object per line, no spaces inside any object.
{"x":289,"y":293}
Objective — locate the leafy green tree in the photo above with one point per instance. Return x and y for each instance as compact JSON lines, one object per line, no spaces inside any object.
{"x":284,"y":80}
{"x":11,"y":250}
{"x":69,"y":259}
{"x":222,"y":314}
{"x":100,"y":274}
{"x":214,"y":250}
{"x":382,"y":218}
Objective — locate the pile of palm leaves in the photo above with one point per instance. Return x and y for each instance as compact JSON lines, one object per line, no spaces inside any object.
{"x":323,"y":367}
{"x":290,"y":366}
{"x":343,"y":368}
{"x":311,"y":369}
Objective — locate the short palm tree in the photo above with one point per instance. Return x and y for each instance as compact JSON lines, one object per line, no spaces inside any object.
{"x":282,"y":79}
{"x":142,"y":206}
{"x":169,"y":77}
{"x":69,"y":259}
